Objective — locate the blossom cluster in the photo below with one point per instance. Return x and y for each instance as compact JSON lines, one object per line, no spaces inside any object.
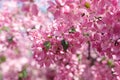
{"x":16,"y":55}
{"x":83,"y":41}
{"x":72,"y":40}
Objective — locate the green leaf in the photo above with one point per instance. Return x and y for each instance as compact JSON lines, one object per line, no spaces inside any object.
{"x":64,"y":44}
{"x":103,"y":58}
{"x":4,"y":28}
{"x":110,"y":63}
{"x":10,"y":39}
{"x":72,"y":30}
{"x":22,"y":74}
{"x":79,"y":57}
{"x":87,"y":4}
{"x":47,"y":44}
{"x":2,"y":59}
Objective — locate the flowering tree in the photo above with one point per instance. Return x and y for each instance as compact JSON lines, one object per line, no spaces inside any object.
{"x":73,"y":40}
